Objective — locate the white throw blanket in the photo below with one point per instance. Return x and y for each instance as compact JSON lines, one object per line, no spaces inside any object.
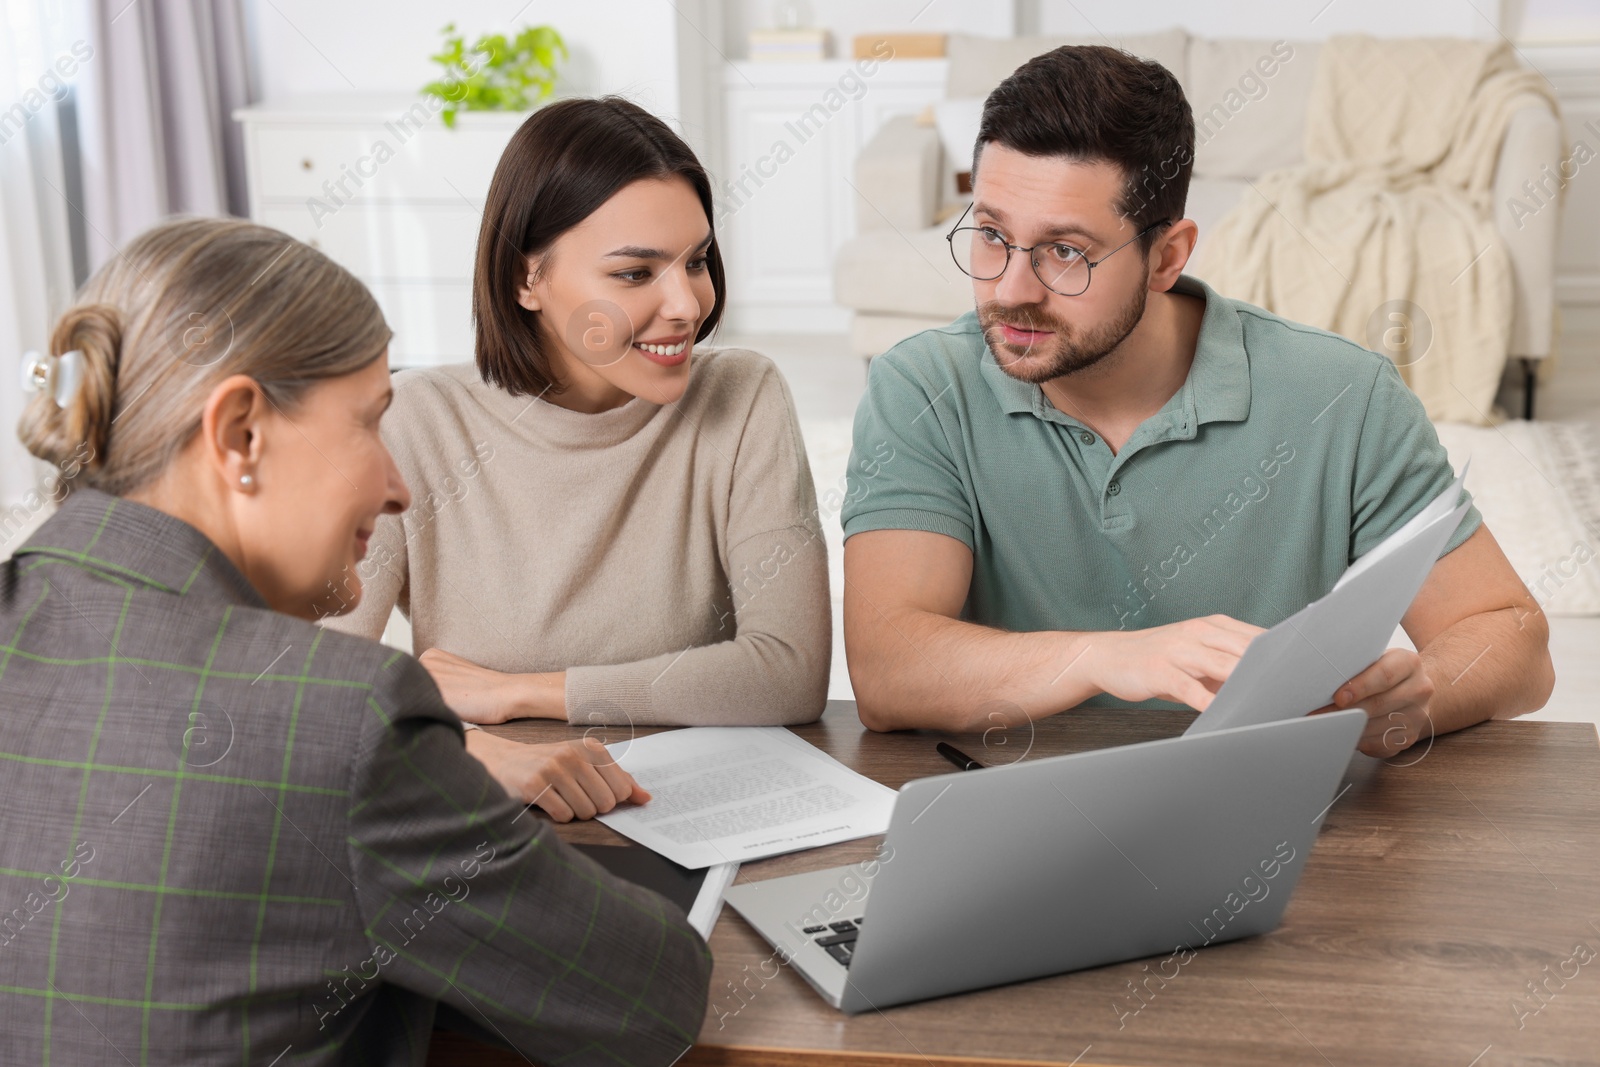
{"x":1385,"y":235}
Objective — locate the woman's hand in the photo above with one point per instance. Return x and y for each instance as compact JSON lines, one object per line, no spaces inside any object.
{"x":478,"y":694}
{"x":568,"y":779}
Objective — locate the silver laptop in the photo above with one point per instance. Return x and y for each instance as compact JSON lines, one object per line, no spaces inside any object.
{"x":1007,"y":873}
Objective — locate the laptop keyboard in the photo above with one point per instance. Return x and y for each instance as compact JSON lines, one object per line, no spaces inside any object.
{"x":837,"y":939}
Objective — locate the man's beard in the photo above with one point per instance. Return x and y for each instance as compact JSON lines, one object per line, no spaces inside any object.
{"x":1067,"y":353}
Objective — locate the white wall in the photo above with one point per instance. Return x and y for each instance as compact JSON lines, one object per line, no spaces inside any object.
{"x":1288,"y":19}
{"x":846,"y":18}
{"x":668,"y":54}
{"x":316,"y":46}
{"x":1291,"y":19}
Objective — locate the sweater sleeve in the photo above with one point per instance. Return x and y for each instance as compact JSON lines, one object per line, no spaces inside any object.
{"x":773,"y":671}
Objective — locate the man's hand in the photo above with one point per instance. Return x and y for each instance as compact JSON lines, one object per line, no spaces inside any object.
{"x":568,"y":779}
{"x":1186,"y":662}
{"x":1395,"y":693}
{"x":478,"y":694}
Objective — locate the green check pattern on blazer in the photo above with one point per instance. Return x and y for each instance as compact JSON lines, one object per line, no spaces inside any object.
{"x":233,"y":837}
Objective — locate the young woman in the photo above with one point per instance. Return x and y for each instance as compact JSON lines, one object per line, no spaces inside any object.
{"x":273,"y":830}
{"x":613,"y":527}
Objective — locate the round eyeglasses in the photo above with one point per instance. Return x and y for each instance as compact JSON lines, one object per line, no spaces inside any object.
{"x":983,"y":253}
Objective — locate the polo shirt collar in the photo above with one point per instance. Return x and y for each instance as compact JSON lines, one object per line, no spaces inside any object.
{"x":1216,"y":389}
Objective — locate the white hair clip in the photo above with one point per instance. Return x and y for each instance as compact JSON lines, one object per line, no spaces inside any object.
{"x":60,"y":376}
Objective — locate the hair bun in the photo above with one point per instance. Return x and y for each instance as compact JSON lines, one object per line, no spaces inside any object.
{"x":74,"y":438}
{"x":183,"y":307}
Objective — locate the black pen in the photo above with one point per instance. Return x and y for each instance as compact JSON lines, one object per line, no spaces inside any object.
{"x":958,"y":757}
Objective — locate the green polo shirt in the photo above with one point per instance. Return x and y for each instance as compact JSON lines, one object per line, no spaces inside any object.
{"x":1288,"y":453}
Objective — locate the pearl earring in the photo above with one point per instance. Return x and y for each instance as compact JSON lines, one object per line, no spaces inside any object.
{"x":247,"y":481}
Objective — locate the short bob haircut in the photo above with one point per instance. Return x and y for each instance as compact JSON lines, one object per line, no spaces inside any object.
{"x":563,"y":163}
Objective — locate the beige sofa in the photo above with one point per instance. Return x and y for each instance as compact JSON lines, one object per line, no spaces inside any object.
{"x":896,"y":274}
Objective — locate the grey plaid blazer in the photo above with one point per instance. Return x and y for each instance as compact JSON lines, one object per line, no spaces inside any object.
{"x":230,"y":836}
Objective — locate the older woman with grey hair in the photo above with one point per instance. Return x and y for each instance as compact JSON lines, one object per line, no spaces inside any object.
{"x":230,"y":833}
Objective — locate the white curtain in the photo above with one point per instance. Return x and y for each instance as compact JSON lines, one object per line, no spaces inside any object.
{"x":152,"y":87}
{"x":156,"y":130}
{"x":36,"y":275}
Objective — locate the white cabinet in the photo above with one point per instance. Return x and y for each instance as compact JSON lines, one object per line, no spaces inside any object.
{"x":385,"y":189}
{"x":784,"y":182}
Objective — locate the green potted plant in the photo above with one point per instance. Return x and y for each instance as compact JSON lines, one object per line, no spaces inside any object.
{"x":498,"y":73}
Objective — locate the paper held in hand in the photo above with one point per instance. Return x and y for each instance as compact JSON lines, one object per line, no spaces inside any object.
{"x":1298,"y":665}
{"x":728,"y":794}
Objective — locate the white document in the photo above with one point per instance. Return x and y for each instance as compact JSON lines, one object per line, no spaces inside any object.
{"x":726,"y":794}
{"x":708,"y":902}
{"x":1442,"y":504}
{"x":1296,"y":667}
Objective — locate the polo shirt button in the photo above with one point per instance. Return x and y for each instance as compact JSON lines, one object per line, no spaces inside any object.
{"x":1113,"y":489}
{"x":1086,"y":437}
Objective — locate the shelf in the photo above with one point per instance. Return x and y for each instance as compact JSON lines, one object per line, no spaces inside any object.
{"x":365,"y":108}
{"x":746,"y":74}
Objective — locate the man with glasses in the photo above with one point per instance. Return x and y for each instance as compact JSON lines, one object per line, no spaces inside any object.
{"x":1107,"y":478}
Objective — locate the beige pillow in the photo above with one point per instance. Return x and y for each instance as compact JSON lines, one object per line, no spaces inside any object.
{"x":1249,"y":100}
{"x":978,"y":64}
{"x":958,"y":122}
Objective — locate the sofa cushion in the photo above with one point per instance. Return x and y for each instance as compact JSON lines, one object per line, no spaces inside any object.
{"x":906,"y":272}
{"x":1210,"y":199}
{"x":957,"y":121}
{"x":978,"y":64}
{"x":1249,"y":100}
{"x":872,"y":332}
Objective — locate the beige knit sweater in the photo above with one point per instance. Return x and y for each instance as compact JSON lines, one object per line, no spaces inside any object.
{"x":669,"y":558}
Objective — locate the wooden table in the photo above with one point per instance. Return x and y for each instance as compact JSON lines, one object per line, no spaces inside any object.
{"x":1445,"y":884}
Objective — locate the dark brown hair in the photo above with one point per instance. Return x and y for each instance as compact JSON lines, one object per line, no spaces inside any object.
{"x":1096,"y":104}
{"x":563,"y":163}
